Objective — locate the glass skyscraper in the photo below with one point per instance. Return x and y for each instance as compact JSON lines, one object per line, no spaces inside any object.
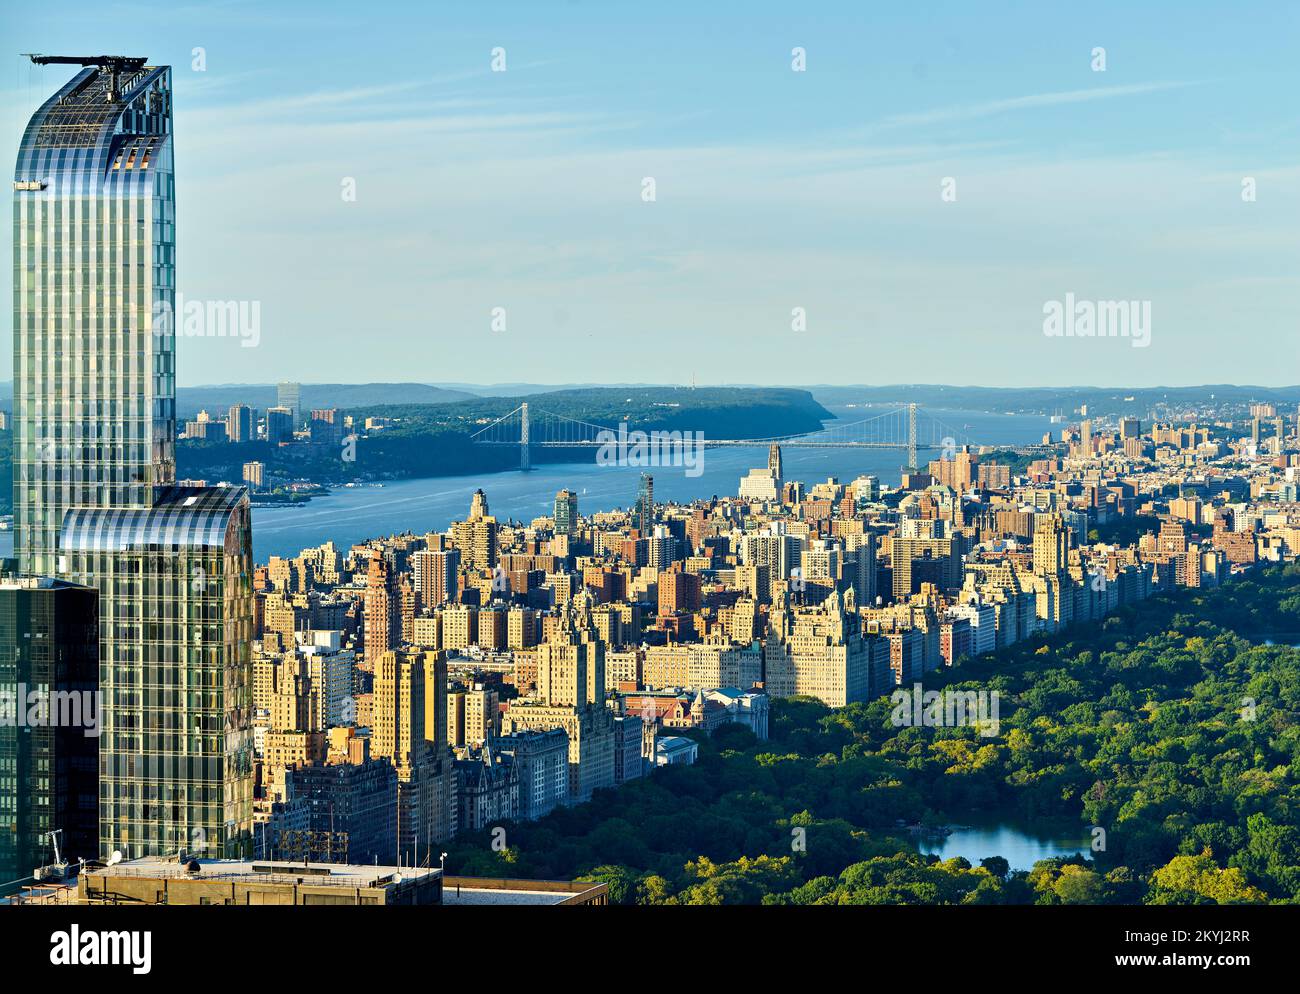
{"x":94,"y":262}
{"x":566,"y":513}
{"x":643,"y":515}
{"x":289,"y":395}
{"x":94,"y":465}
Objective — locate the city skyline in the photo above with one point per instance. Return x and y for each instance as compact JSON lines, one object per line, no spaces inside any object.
{"x":774,"y":189}
{"x":397,"y":515}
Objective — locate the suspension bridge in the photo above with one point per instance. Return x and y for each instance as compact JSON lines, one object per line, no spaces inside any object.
{"x":907,"y":428}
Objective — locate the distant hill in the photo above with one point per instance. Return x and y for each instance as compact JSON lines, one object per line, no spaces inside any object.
{"x":525,"y":389}
{"x":191,"y":400}
{"x":1100,"y":400}
{"x":724,"y":412}
{"x":221,"y":397}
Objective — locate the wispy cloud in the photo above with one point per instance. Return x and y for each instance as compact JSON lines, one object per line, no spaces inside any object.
{"x":966,"y":112}
{"x":386,"y":100}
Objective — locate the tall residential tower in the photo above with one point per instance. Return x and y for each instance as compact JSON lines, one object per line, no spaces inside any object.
{"x":94,"y":463}
{"x":94,"y":262}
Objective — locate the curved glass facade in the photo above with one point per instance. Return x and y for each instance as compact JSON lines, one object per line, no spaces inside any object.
{"x":94,"y":262}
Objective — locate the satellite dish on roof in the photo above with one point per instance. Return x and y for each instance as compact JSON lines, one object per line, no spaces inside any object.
{"x":115,"y":858}
{"x":397,"y":878}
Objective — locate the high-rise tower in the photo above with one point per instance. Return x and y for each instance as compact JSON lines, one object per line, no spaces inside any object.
{"x":774,"y":463}
{"x":383,"y":615}
{"x":566,"y":512}
{"x":476,"y":536}
{"x":94,"y":464}
{"x":289,"y":395}
{"x":94,"y":267}
{"x":643,"y":515}
{"x":1051,"y":545}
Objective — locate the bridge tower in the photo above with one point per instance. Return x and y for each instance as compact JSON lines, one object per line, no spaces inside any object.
{"x":911,"y":437}
{"x":525,"y":463}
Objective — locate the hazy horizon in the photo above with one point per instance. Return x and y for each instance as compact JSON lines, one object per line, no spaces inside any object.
{"x":798,"y":216}
{"x":453,"y":384}
{"x":583,"y":384}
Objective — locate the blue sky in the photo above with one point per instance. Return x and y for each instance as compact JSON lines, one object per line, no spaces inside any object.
{"x":774,"y":189}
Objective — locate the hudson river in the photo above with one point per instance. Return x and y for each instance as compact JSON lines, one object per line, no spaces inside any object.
{"x":352,"y":515}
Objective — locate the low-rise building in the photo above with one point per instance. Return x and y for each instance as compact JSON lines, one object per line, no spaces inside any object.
{"x":676,"y":750}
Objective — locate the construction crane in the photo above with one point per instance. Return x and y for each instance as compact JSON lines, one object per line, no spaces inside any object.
{"x":115,"y":64}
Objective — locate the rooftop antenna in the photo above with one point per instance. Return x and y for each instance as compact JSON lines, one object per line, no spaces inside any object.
{"x":115,"y":64}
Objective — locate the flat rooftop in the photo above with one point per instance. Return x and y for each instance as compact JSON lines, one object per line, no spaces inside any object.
{"x":266,"y":870}
{"x":470,"y":895}
{"x":463,"y":891}
{"x":493,"y":891}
